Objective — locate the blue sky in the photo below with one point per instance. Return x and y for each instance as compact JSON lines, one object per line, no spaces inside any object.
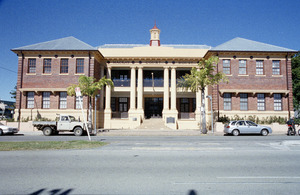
{"x":98,"y":22}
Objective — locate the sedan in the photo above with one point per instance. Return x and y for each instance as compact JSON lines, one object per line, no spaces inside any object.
{"x":7,"y":130}
{"x":245,"y":127}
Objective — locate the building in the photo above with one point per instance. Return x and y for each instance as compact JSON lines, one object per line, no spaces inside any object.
{"x":145,"y":77}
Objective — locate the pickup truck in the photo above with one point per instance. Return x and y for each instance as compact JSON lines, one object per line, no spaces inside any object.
{"x":64,"y":123}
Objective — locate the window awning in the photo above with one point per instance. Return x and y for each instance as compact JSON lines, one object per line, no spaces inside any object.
{"x":253,"y":91}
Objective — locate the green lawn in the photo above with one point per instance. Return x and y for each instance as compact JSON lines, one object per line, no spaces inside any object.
{"x":49,"y":145}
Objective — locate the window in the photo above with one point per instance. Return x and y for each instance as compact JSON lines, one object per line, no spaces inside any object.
{"x":242,"y":67}
{"x":47,"y":66}
{"x":276,"y":67}
{"x":277,"y":101}
{"x":259,"y":67}
{"x":113,"y":104}
{"x":30,"y":99}
{"x":260,"y":101}
{"x":64,"y":65}
{"x":79,"y":66}
{"x":46,"y":99}
{"x":77,"y":105}
{"x":31,"y":65}
{"x":184,"y":105}
{"x":123,"y":104}
{"x":62,"y":100}
{"x":241,"y":123}
{"x":227,"y":101}
{"x":243,"y":101}
{"x":226,"y":66}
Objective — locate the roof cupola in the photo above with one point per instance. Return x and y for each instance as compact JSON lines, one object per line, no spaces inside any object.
{"x":154,"y":32}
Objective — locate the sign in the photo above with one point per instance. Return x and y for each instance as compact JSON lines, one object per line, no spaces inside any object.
{"x":78,"y":92}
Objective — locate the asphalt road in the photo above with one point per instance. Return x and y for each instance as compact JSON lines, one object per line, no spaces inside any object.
{"x":157,"y":165}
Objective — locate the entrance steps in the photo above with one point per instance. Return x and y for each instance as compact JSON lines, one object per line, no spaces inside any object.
{"x":154,"y":124}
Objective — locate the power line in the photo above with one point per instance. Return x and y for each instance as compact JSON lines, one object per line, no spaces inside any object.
{"x":9,"y":70}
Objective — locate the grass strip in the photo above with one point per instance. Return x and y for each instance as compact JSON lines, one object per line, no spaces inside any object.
{"x":49,"y":145}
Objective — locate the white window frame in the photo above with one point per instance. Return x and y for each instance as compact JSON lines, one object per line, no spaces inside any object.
{"x":63,"y":100}
{"x":226,"y":66}
{"x":277,"y":102}
{"x":259,"y":67}
{"x":276,"y":67}
{"x":46,"y":99}
{"x":261,"y":102}
{"x":30,"y":99}
{"x":242,"y":67}
{"x":243,"y":101}
{"x":227,"y":97}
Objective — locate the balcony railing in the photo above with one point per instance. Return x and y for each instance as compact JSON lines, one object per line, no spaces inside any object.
{"x":121,"y":82}
{"x":155,"y":82}
{"x":186,"y":115}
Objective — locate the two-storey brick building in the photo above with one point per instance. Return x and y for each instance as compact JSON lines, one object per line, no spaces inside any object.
{"x":145,"y":79}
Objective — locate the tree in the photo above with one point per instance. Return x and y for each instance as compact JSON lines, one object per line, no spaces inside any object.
{"x":13,"y":92}
{"x":296,"y":80}
{"x":89,"y":88}
{"x":200,"y":78}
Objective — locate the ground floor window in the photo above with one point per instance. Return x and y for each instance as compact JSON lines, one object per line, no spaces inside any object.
{"x":243,"y":101}
{"x":277,"y":102}
{"x":123,"y":104}
{"x":46,"y":99}
{"x":30,"y":99}
{"x":62,"y":100}
{"x":260,"y":101}
{"x":227,"y":101}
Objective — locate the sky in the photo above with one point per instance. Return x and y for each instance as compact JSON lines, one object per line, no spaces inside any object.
{"x":98,"y":22}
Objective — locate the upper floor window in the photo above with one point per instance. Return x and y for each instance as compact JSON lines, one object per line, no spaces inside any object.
{"x":30,"y":99}
{"x":64,"y":66}
{"x":259,"y":67}
{"x":47,"y":66}
{"x":62,"y":100}
{"x":226,"y":66}
{"x":260,"y":101}
{"x":79,"y":65}
{"x":276,"y":67}
{"x":242,"y":67}
{"x":277,"y":101}
{"x":46,"y":99}
{"x":227,"y":101}
{"x":243,"y":101}
{"x":31,"y":65}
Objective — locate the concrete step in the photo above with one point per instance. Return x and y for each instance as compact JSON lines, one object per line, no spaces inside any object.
{"x":154,"y":123}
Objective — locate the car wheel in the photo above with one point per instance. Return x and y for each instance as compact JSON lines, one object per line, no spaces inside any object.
{"x":264,"y":132}
{"x":47,"y":131}
{"x":298,"y":132}
{"x":290,"y":132}
{"x":235,"y":132}
{"x":1,"y":132}
{"x":78,"y":131}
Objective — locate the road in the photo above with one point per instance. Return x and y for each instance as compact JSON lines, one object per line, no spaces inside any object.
{"x":157,"y":165}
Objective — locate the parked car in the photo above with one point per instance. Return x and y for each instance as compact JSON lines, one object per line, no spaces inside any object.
{"x":245,"y":127}
{"x":7,"y":130}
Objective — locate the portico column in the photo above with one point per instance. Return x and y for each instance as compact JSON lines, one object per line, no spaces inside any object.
{"x":166,"y":90}
{"x":173,"y":88}
{"x":107,"y":111}
{"x":140,"y":92}
{"x":132,"y":89}
{"x":108,"y":91}
{"x":102,"y":91}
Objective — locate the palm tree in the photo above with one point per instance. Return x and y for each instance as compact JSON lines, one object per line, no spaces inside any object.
{"x":200,"y":78}
{"x":89,"y":88}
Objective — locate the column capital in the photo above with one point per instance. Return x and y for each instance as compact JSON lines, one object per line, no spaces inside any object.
{"x":133,"y":66}
{"x":140,"y":66}
{"x":166,"y":67}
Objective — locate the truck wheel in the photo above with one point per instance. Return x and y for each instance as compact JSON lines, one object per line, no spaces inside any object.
{"x":47,"y":131}
{"x":1,"y":132}
{"x":78,"y":131}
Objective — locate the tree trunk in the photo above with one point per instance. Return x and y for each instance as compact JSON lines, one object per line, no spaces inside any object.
{"x":90,"y":111}
{"x":203,"y":114}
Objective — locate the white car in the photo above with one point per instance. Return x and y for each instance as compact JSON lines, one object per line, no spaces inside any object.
{"x":7,"y":130}
{"x":245,"y":127}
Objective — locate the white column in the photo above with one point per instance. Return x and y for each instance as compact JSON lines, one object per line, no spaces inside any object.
{"x":166,"y":88}
{"x":108,"y":91}
{"x":140,"y":88}
{"x":132,"y":89}
{"x":173,"y":88}
{"x":102,"y":90}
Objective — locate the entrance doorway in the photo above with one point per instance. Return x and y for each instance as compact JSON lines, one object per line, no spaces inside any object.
{"x":153,"y":107}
